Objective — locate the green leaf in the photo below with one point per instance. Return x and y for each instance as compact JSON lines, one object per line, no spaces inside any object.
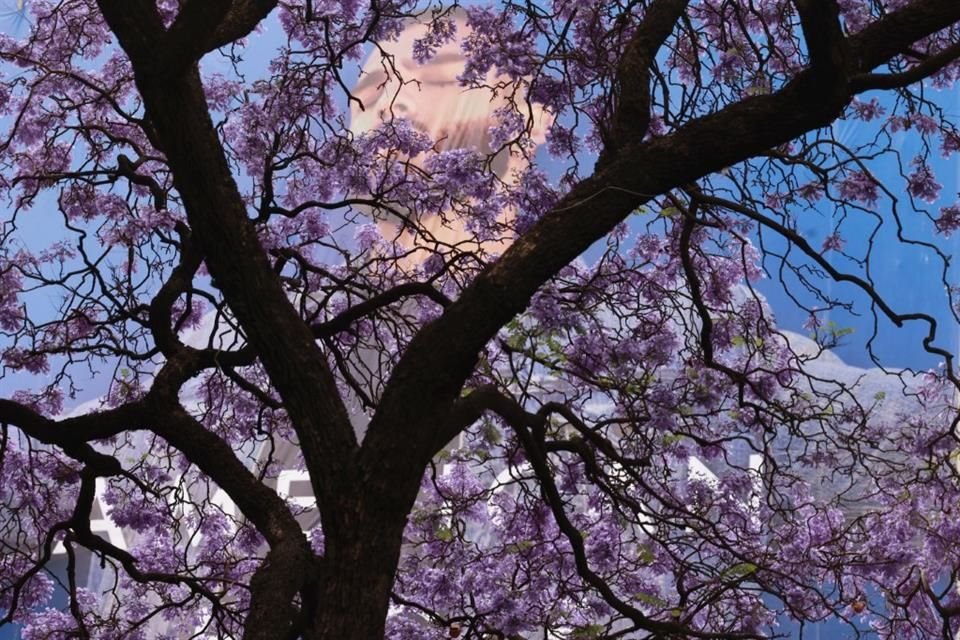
{"x":645,"y":555}
{"x":669,"y":212}
{"x":491,"y":434}
{"x":517,"y":547}
{"x":671,"y":438}
{"x":740,"y":570}
{"x":651,"y":600}
{"x":588,"y":632}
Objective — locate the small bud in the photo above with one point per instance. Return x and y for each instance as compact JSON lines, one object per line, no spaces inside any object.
{"x":454,"y":629}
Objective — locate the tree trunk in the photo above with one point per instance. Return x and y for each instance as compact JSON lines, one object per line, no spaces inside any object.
{"x":359,"y":566}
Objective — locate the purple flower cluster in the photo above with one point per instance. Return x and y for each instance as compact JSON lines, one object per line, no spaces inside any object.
{"x":921,"y":183}
{"x":859,"y":186}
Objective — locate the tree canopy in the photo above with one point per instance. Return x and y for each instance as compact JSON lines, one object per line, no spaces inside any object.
{"x":526,"y":366}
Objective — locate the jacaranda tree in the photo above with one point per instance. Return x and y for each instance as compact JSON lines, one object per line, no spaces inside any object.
{"x":504,"y":439}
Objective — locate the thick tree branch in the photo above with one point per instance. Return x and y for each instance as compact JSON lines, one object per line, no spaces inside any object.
{"x":343,"y":321}
{"x":205,"y":25}
{"x":138,"y":26}
{"x":200,"y":27}
{"x":166,"y":418}
{"x":161,"y":413}
{"x":70,"y":433}
{"x":128,"y":169}
{"x":826,"y":46}
{"x":924,"y":69}
{"x":161,"y":306}
{"x":287,"y":570}
{"x":220,"y":226}
{"x":444,"y":354}
{"x":194,"y":24}
{"x":893,"y":35}
{"x":213,"y":456}
{"x":242,"y":19}
{"x":631,"y":116}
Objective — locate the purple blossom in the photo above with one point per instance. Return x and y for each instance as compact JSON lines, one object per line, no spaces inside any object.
{"x":949,"y":220}
{"x":859,"y":186}
{"x":494,"y":43}
{"x":921,"y":182}
{"x":509,"y":124}
{"x":561,"y":140}
{"x":533,"y":197}
{"x":368,"y":236}
{"x":869,"y":110}
{"x":833,"y":242}
{"x":439,"y":33}
{"x":11,"y":314}
{"x":811,"y":191}
{"x":950,"y":143}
